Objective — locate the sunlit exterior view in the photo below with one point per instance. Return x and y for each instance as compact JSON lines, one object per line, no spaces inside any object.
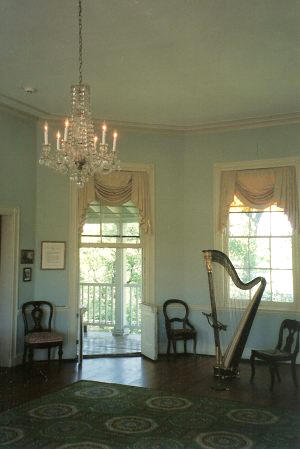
{"x":111,"y":269}
{"x":260,"y":243}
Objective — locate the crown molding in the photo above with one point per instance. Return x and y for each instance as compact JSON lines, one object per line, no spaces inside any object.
{"x":212,"y":127}
{"x":17,"y":112}
{"x":248,"y":123}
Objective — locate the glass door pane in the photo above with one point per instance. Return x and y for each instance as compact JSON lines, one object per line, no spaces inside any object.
{"x":132,"y":287}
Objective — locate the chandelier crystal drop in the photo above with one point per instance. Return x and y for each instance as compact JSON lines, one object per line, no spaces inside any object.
{"x":79,"y":153}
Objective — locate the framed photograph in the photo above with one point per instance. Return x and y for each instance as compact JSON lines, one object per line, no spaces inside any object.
{"x":27,"y":273}
{"x":27,"y":256}
{"x":53,"y":255}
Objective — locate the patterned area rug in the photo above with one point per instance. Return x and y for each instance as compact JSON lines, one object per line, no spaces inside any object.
{"x":93,"y":415}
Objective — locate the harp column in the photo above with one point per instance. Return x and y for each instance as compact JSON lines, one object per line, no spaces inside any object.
{"x":215,"y":324}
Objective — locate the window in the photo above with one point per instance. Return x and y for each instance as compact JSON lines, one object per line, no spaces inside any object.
{"x":259,"y":240}
{"x":111,"y":224}
{"x":260,"y":243}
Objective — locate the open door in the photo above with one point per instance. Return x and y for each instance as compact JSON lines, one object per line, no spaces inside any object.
{"x":149,"y":338}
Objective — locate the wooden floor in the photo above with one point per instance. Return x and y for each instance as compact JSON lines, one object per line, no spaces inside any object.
{"x":188,"y":375}
{"x":101,"y":343}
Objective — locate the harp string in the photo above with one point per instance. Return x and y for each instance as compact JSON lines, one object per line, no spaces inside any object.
{"x":231,"y":312}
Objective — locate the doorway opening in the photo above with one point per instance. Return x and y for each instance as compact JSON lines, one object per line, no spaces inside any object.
{"x":111,"y":280}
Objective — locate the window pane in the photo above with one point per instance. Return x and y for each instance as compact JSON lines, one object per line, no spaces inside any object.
{"x":280,"y":224}
{"x":281,"y":250}
{"x":238,"y":252}
{"x":132,"y":265}
{"x":267,"y":296}
{"x":237,"y":293}
{"x":259,"y":223}
{"x":97,"y":265}
{"x":91,"y":229}
{"x":259,"y":253}
{"x":282,"y":285}
{"x":238,"y":224}
{"x":109,"y":229}
{"x":133,"y":270}
{"x":109,"y":232}
{"x":131,"y":232}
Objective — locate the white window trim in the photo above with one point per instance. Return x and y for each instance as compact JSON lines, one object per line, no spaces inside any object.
{"x":219,"y":239}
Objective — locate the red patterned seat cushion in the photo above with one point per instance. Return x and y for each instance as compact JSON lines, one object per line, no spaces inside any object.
{"x":43,"y":337}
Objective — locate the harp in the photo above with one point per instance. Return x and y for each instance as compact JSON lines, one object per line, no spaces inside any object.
{"x":227,"y":359}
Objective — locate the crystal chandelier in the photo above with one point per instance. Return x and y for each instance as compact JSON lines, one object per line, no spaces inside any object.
{"x":79,"y":153}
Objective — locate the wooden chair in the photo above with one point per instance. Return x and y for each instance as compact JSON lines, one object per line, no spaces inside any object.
{"x":40,"y":336}
{"x":286,"y":350}
{"x":185,"y":331}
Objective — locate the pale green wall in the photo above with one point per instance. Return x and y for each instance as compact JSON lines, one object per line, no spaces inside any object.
{"x":52,"y":224}
{"x":183,"y":213}
{"x":18,"y":189}
{"x":183,"y":208}
{"x":166,"y":153}
{"x":18,"y":181}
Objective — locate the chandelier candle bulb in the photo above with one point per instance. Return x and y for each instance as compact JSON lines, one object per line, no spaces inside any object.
{"x":46,"y":133}
{"x":104,"y":128}
{"x":95,"y":141}
{"x":115,"y":135}
{"x":66,"y":130}
{"x":57,"y":140}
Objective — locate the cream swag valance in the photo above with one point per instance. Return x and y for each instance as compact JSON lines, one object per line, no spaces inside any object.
{"x":259,"y":189}
{"x":116,"y":189}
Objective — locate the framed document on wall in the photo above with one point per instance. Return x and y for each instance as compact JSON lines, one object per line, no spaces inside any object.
{"x":53,"y":255}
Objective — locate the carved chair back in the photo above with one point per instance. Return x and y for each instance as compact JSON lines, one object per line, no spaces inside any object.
{"x":169,"y":321}
{"x":38,"y":311}
{"x":288,"y":333}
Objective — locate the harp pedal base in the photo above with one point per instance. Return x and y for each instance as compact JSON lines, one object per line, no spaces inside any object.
{"x":223,"y":373}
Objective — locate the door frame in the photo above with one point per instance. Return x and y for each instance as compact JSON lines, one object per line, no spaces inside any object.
{"x":73,"y":277}
{"x":9,"y":308}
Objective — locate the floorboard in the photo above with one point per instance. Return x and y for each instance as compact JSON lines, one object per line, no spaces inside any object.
{"x":188,"y":375}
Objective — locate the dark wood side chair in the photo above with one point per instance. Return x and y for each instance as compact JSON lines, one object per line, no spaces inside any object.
{"x":286,"y":351}
{"x":37,"y":316}
{"x":178,"y":328}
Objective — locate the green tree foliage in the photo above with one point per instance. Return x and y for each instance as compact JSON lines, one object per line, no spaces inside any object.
{"x":97,"y":265}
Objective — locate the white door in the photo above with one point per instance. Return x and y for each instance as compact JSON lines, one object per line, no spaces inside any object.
{"x":149,"y":341}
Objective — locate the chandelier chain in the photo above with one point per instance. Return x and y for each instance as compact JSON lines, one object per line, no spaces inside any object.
{"x":80,"y":40}
{"x":78,"y":151}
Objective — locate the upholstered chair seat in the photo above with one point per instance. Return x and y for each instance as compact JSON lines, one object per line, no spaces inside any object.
{"x":43,"y":337}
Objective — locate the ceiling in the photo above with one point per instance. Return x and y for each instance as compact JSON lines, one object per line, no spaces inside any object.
{"x":154,"y":62}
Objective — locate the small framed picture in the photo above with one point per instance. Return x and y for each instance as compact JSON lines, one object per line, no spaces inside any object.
{"x":27,"y":256}
{"x":27,"y":273}
{"x":53,"y":255}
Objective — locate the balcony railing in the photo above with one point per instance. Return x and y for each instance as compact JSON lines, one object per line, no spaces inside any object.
{"x":100,"y":302}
